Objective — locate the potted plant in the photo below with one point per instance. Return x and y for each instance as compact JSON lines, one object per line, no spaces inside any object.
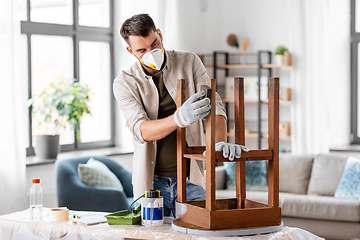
{"x":62,"y":102}
{"x":279,"y":54}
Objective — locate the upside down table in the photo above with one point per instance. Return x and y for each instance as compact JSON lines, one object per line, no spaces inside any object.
{"x":18,"y":226}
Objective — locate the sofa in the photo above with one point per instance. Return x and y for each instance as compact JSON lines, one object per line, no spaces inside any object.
{"x":307,"y":185}
{"x":76,"y":195}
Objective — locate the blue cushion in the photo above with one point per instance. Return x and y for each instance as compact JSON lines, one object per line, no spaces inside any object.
{"x":349,"y":185}
{"x":256,"y":175}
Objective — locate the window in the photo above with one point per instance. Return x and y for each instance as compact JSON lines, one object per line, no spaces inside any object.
{"x":72,"y":39}
{"x":355,"y":78}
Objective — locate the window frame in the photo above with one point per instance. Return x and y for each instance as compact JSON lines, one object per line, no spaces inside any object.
{"x":77,"y":33}
{"x":355,"y":40}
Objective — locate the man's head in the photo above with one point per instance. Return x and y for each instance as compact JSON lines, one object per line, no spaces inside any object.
{"x":142,"y":37}
{"x":138,"y":25}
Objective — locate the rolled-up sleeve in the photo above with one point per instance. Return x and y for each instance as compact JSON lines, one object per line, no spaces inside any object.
{"x":131,"y":108}
{"x":200,"y":76}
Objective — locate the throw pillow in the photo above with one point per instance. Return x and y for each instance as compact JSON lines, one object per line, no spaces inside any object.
{"x":349,"y":185}
{"x":326,"y":173}
{"x":97,"y":174}
{"x":294,"y":172}
{"x":256,"y":175}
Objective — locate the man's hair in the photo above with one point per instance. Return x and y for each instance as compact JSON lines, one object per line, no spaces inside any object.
{"x":137,"y":25}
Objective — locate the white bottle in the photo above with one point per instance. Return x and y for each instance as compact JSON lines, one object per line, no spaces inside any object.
{"x":36,"y":200}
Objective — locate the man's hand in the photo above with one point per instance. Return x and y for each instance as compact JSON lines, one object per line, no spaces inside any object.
{"x":192,"y":110}
{"x":229,"y":150}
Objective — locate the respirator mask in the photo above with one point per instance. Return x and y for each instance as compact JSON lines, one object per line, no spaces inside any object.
{"x":153,"y":59}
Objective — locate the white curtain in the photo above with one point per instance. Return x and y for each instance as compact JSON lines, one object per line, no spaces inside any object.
{"x":169,"y":23}
{"x":310,"y":75}
{"x":13,"y":195}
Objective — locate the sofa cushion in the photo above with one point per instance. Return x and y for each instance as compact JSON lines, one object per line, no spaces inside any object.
{"x":97,"y":174}
{"x":319,"y":207}
{"x":294,"y":172}
{"x":326,"y":173}
{"x":260,"y":196}
{"x":349,"y":185}
{"x":307,"y":206}
{"x":256,"y":175}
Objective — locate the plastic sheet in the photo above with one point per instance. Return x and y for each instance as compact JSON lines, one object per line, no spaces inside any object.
{"x":18,"y":226}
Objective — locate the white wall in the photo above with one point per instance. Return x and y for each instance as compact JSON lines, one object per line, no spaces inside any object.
{"x":339,"y":71}
{"x":258,"y":20}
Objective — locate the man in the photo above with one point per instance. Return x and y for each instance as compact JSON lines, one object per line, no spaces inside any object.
{"x":146,"y":94}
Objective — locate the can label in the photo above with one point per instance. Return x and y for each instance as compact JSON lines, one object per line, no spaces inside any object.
{"x":153,"y":213}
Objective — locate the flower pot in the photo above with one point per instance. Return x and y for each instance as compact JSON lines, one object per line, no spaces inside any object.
{"x":279,"y":59}
{"x":47,"y":146}
{"x":287,"y":59}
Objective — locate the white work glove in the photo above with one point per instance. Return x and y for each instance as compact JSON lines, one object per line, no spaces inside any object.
{"x":226,"y":148}
{"x":192,"y":110}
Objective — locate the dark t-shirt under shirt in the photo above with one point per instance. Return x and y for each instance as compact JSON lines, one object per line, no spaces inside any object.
{"x":166,"y":161}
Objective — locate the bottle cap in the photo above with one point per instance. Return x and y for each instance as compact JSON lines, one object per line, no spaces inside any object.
{"x":36,"y":180}
{"x":152,"y":194}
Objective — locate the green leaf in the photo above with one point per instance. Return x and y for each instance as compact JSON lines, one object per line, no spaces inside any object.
{"x":63,"y":98}
{"x":47,"y":118}
{"x":280,"y":50}
{"x":78,"y":136}
{"x":30,"y":102}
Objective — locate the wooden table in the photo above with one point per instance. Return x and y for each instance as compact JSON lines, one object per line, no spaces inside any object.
{"x":18,"y":226}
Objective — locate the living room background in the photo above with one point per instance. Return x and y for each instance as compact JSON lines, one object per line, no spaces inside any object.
{"x":268,"y":24}
{"x":202,"y":27}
